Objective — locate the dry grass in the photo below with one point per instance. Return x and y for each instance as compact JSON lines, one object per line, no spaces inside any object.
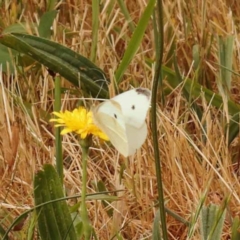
{"x":195,"y":155}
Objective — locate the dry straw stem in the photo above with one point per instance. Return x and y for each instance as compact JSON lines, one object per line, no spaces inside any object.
{"x":194,"y":154}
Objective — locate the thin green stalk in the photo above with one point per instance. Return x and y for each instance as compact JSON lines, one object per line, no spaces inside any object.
{"x":87,"y":229}
{"x":157,"y":79}
{"x":135,"y":41}
{"x":58,"y":137}
{"x":126,"y":14}
{"x":95,"y":26}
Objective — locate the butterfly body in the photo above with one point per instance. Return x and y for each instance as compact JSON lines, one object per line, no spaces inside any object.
{"x":122,"y":118}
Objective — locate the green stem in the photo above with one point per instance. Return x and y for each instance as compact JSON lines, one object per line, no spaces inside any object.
{"x":87,"y":228}
{"x":158,"y":79}
{"x":58,"y":137}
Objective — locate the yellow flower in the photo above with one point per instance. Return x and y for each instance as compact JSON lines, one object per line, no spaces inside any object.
{"x":79,"y":121}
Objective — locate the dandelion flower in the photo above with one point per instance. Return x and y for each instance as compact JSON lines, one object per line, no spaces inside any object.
{"x":79,"y":121}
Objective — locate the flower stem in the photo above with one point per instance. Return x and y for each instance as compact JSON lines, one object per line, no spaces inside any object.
{"x":58,"y":137}
{"x":87,"y":228}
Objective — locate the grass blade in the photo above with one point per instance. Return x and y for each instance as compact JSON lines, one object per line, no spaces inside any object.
{"x":95,"y":26}
{"x":45,"y":24}
{"x":225,"y":58}
{"x":126,"y":14}
{"x":156,"y":226}
{"x":135,"y":41}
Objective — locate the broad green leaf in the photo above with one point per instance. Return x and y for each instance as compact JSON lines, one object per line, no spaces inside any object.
{"x":54,"y":219}
{"x":74,"y":67}
{"x":47,"y":222}
{"x":212,"y":219}
{"x":7,"y":55}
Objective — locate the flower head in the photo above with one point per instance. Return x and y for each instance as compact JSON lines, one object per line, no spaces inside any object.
{"x":79,"y":121}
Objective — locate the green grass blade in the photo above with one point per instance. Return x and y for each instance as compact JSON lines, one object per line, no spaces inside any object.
{"x":225,"y":58}
{"x":31,"y":226}
{"x":156,"y":227}
{"x":3,"y":232}
{"x":135,"y":41}
{"x":95,"y":26}
{"x":46,"y":22}
{"x":186,"y":93}
{"x":126,"y":14}
{"x":51,"y":4}
{"x":235,"y":229}
{"x":196,"y":214}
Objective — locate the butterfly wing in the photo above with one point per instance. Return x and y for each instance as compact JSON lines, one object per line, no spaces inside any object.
{"x":134,"y":105}
{"x":135,"y":137}
{"x":108,"y":117}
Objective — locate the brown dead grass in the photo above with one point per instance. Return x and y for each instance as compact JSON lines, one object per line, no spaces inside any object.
{"x":192,"y":161}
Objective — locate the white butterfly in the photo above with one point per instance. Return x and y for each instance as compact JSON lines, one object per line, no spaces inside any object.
{"x":122,"y":119}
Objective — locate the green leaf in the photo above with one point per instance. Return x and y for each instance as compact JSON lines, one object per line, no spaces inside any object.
{"x":54,"y":219}
{"x":135,"y":41}
{"x":47,"y":223}
{"x":212,"y":219}
{"x":19,"y":28}
{"x":7,"y":55}
{"x":6,"y":59}
{"x":235,"y":229}
{"x":74,"y":67}
{"x":225,"y":58}
{"x":46,"y":23}
{"x":51,"y":4}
